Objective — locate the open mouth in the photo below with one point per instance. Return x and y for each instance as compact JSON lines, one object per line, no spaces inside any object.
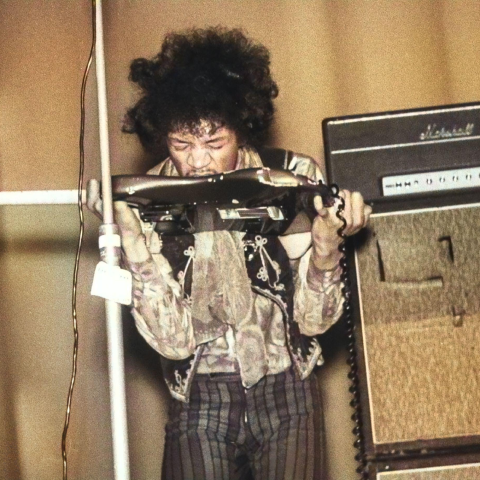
{"x":201,"y":173}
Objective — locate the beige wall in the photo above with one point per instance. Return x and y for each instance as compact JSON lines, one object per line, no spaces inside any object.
{"x":330,"y":58}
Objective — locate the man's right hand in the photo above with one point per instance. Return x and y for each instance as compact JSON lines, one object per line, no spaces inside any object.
{"x":133,"y":241}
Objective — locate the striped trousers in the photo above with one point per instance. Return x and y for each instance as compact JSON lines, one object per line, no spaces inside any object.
{"x":272,"y":431}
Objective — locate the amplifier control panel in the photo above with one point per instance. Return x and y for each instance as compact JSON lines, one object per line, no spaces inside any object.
{"x":459,"y":178}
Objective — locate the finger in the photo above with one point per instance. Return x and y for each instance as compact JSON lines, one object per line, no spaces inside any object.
{"x":124,"y":215}
{"x":322,"y":211}
{"x":347,"y":211}
{"x":94,"y":202}
{"x":358,"y":212}
{"x":127,"y":220}
{"x":98,"y":208}
{"x":120,"y":206}
{"x":93,"y":193}
{"x":368,"y":212}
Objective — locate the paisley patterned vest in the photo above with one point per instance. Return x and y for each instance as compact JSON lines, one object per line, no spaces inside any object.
{"x":305,"y":352}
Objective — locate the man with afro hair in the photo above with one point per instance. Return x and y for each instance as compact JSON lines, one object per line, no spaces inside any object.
{"x":234,"y":316}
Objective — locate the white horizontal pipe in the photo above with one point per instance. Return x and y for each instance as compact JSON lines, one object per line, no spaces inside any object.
{"x":41,"y":197}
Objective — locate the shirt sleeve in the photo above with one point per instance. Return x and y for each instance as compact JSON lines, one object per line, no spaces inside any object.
{"x":317,"y":304}
{"x":162,"y":314}
{"x":303,"y":165}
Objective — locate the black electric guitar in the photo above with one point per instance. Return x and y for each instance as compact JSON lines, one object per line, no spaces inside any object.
{"x":254,"y":200}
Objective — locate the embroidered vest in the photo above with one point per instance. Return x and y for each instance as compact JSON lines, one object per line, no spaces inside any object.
{"x":274,"y":283}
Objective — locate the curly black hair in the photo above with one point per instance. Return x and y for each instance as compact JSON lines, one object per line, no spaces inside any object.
{"x":214,"y":74}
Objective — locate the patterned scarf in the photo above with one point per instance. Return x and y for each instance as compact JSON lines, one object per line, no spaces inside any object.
{"x":221,"y":291}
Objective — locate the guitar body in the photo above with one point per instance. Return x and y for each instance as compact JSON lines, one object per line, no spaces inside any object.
{"x":255,"y":200}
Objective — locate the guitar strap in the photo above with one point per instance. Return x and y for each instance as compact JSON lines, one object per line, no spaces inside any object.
{"x":272,"y":157}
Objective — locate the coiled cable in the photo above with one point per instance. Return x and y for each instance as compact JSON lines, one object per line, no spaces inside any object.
{"x":351,"y":346}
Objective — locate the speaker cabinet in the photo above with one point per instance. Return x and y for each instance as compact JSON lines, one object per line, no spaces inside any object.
{"x":444,"y":472}
{"x":415,"y":287}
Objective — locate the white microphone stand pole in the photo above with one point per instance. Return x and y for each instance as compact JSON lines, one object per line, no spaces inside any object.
{"x":110,"y":253}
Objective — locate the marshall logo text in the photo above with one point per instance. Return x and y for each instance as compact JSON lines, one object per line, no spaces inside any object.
{"x":434,"y":133}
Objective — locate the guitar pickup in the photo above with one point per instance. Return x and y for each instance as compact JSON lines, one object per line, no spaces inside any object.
{"x":273,"y":213}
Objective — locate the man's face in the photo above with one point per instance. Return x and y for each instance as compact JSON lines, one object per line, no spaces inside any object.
{"x":208,"y":151}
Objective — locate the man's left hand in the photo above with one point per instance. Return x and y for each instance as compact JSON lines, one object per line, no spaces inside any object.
{"x":326,"y":224}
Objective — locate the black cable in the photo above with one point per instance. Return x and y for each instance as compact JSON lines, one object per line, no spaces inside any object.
{"x":351,"y":347}
{"x":79,"y":245}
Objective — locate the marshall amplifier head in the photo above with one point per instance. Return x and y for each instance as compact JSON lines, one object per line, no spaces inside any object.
{"x":415,"y":286}
{"x":407,"y":158}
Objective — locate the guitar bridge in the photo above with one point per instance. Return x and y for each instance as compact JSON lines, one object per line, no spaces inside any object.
{"x":274,"y":213}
